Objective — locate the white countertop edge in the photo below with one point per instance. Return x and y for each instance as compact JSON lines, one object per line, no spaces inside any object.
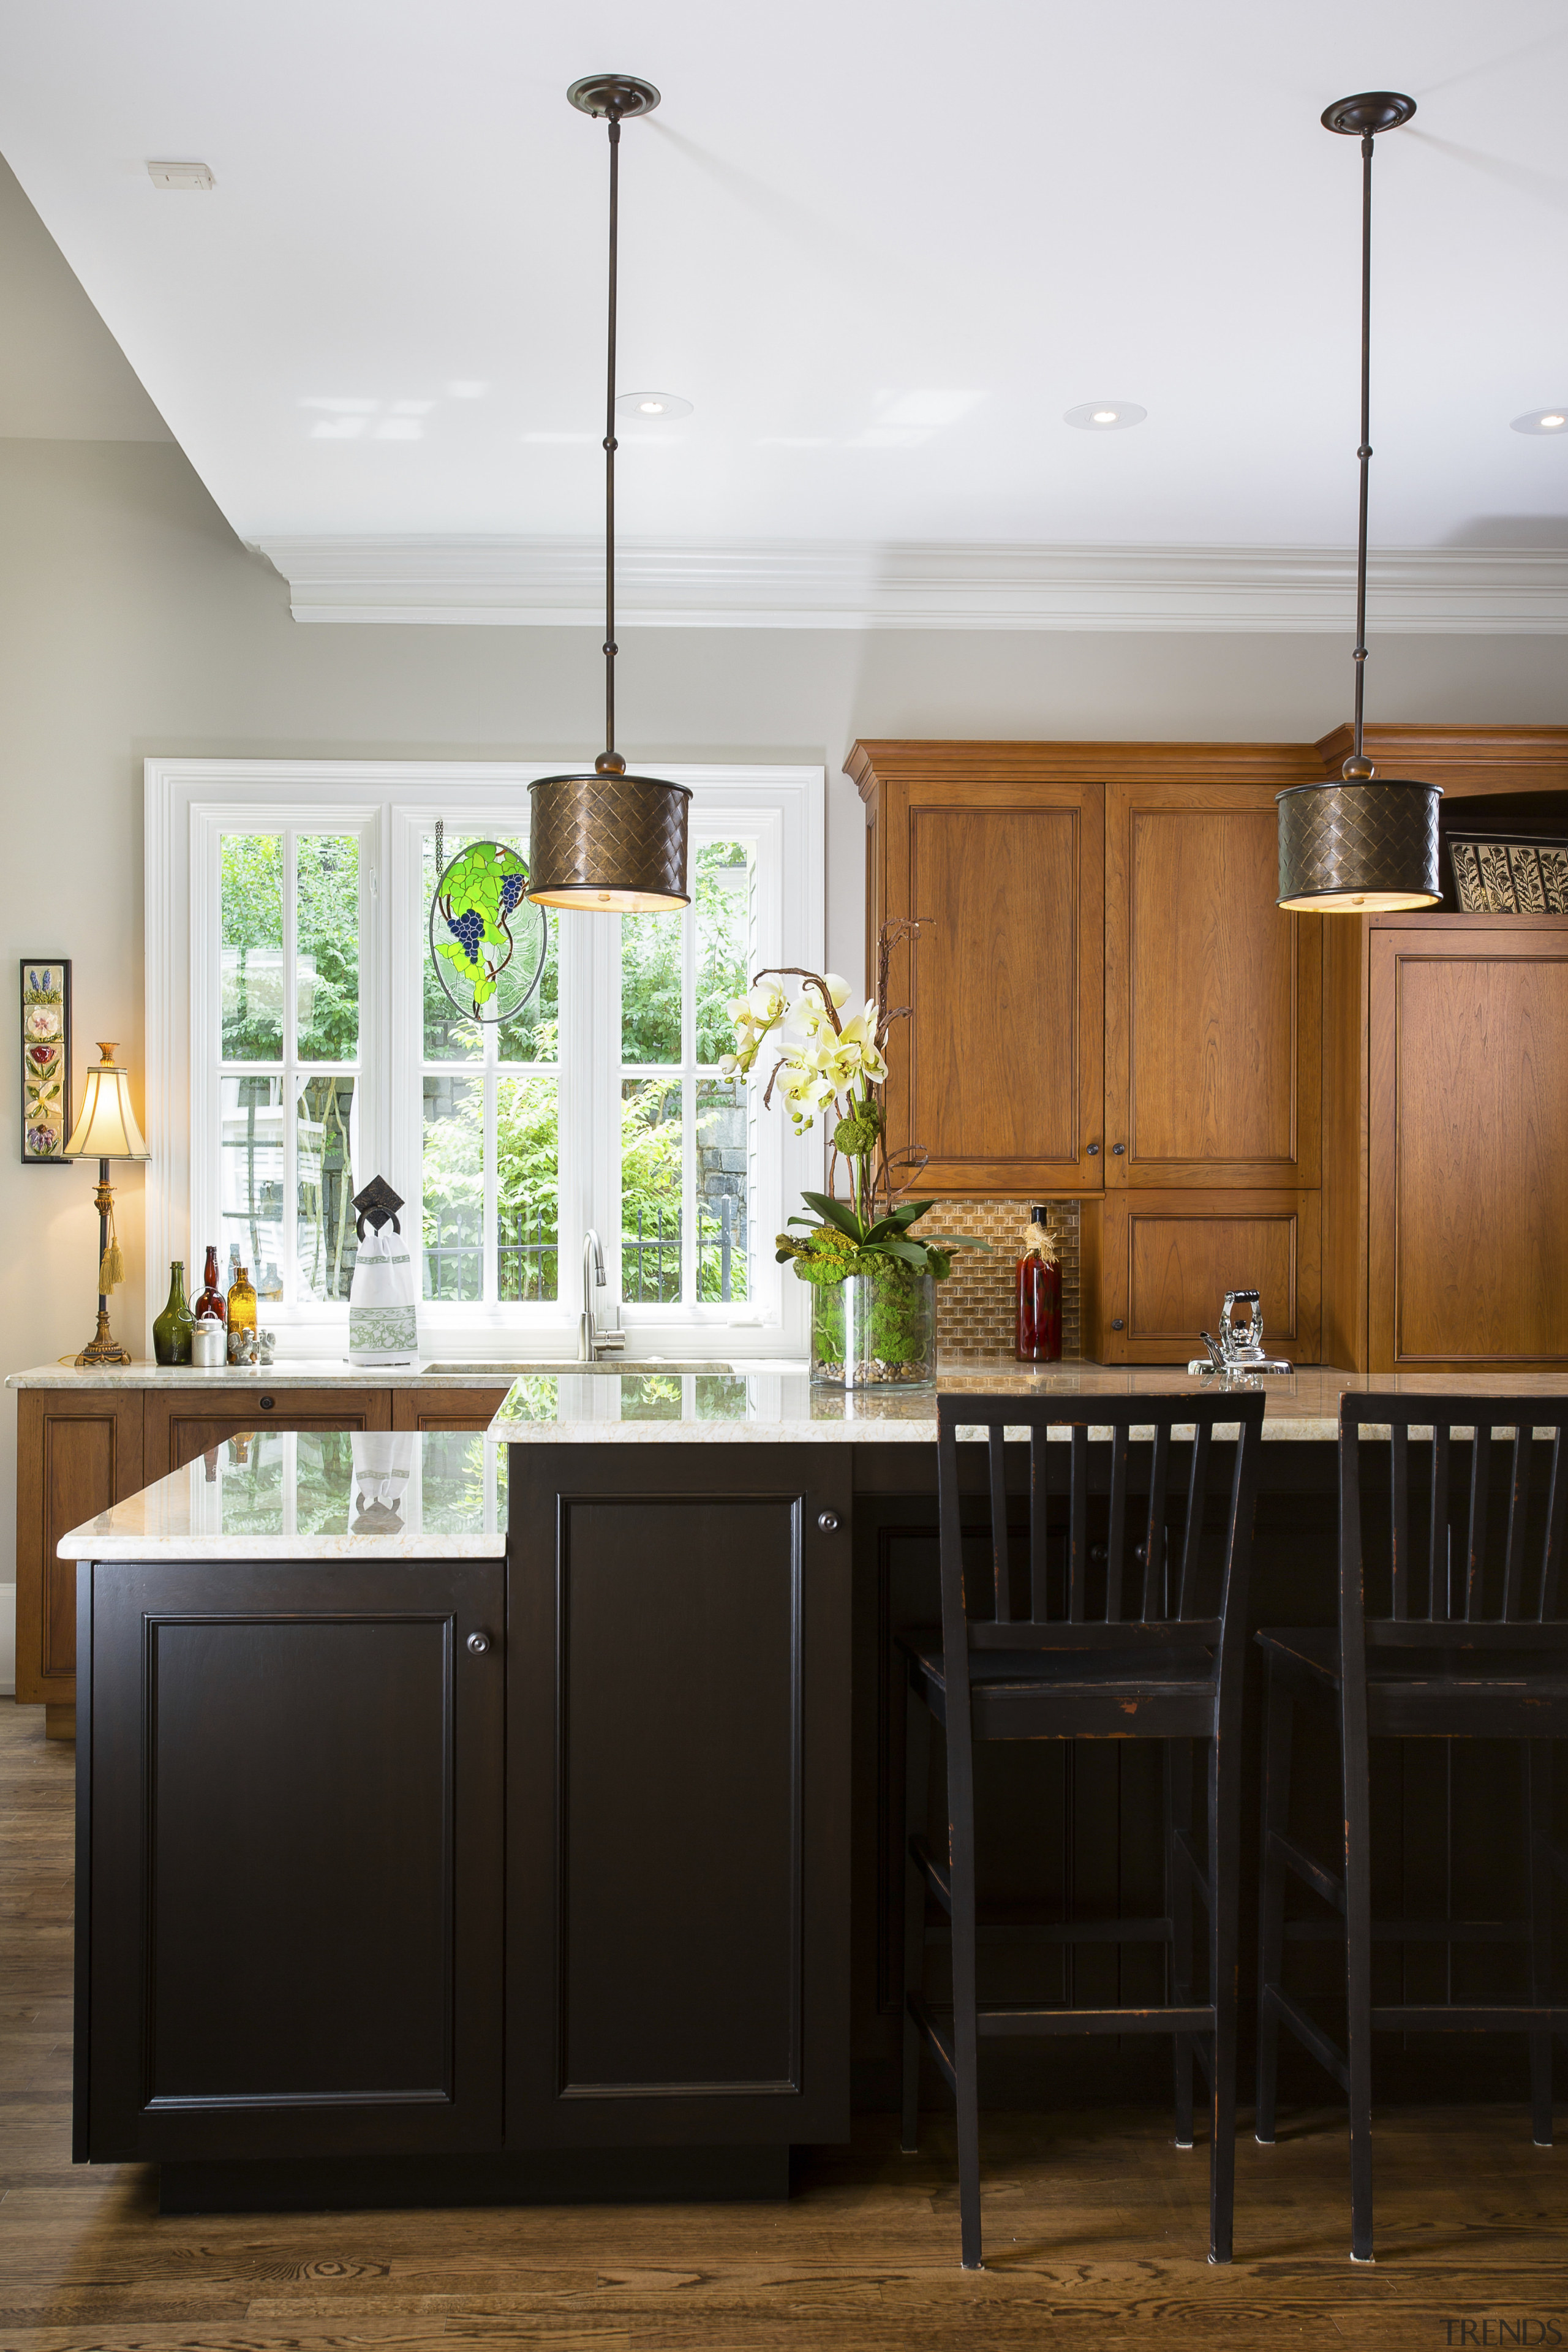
{"x":82,"y":1543}
{"x":854,"y":1431}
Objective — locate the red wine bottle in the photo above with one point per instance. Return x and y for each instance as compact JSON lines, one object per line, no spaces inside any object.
{"x":1039,"y":1294}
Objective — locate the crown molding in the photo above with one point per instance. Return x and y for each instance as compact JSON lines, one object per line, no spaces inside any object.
{"x":821,"y":584}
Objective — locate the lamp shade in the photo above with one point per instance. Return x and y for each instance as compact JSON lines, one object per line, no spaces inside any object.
{"x":107,"y":1129}
{"x":1361,"y":847}
{"x":610,"y":843}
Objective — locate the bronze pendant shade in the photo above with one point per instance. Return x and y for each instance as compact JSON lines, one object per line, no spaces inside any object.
{"x":599,"y":839}
{"x":1368,"y":844}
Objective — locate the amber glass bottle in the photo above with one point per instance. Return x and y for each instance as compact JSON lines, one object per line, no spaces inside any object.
{"x":211,"y":1300}
{"x":1039,"y":1295}
{"x":241,"y":1312}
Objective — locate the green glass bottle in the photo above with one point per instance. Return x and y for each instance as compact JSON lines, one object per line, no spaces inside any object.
{"x":172,"y":1330}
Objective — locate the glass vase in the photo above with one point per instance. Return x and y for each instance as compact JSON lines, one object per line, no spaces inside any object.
{"x":875,"y":1330}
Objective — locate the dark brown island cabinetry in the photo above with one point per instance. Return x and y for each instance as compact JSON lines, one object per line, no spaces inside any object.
{"x":1370,"y":1136}
{"x":677,"y":1819}
{"x":407,"y":1858}
{"x":288,"y":1926}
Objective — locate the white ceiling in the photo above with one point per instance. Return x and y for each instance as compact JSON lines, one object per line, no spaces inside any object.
{"x":880,"y":246}
{"x":62,"y":376}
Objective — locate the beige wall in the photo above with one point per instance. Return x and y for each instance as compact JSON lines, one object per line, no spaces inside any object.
{"x":132,"y":622}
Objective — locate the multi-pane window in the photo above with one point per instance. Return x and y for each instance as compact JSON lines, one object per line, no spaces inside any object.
{"x":290,"y":919}
{"x":324,"y":1050}
{"x":685,"y":1132}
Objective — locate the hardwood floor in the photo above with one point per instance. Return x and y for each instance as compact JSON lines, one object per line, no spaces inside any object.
{"x":1096,"y":2224}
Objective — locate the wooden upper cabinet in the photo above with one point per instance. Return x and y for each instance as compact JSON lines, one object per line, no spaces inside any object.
{"x":1213,"y":997}
{"x":999,"y":1077}
{"x":1468,"y":1144}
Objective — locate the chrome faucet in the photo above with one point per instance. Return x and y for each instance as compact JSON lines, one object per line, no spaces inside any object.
{"x":1237,"y":1352}
{"x":593,"y":1343}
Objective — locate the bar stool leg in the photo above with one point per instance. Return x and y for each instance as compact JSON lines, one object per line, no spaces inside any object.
{"x":1538,"y":1824}
{"x":917,"y":1802}
{"x":965,"y":1994}
{"x":1358,"y":1967}
{"x":1179,"y":1909}
{"x":1278,"y":1723}
{"x":1224,"y":1883}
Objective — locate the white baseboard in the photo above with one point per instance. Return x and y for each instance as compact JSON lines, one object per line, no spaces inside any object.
{"x":8,"y":1640}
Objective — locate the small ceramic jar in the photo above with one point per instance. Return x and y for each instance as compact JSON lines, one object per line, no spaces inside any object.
{"x":207,"y":1341}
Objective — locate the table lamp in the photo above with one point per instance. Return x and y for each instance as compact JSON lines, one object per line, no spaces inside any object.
{"x":106,"y":1130}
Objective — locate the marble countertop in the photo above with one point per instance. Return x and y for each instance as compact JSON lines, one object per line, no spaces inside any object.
{"x":315,"y":1494}
{"x":768,"y":1407}
{"x":277,"y":1494}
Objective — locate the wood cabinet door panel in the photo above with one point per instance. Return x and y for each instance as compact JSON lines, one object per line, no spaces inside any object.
{"x":293,"y":1858}
{"x":1467,"y":1148}
{"x":1213,"y":1012}
{"x":184,"y":1422}
{"x":438,"y":1409}
{"x":999,"y":1076}
{"x":677,"y":1762}
{"x":1169,"y":1258}
{"x":78,"y":1451}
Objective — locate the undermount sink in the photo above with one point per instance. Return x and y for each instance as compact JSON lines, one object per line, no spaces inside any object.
{"x":568,"y":1365}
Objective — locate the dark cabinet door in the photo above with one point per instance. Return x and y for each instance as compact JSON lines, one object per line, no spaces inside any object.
{"x":678,"y":1795}
{"x":292,"y":1855}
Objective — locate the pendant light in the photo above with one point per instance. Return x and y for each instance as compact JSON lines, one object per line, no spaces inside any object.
{"x":1368,"y":844}
{"x":605,"y":841}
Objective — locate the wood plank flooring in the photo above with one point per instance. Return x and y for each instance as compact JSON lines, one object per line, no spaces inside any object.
{"x":1096,"y":2224}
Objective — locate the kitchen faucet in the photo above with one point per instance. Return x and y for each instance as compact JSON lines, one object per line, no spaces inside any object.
{"x":593,"y":1343}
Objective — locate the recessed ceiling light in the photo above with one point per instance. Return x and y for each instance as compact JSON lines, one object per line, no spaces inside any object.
{"x":1543,"y":420}
{"x":1104,"y":416}
{"x":180,"y":176}
{"x":652,"y":404}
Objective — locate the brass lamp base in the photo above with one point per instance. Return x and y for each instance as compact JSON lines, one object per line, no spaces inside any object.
{"x":104,"y":1348}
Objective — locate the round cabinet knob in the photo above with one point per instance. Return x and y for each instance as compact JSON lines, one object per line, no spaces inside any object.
{"x":1117,"y":1324}
{"x":1116,"y":1150}
{"x":829,"y":1522}
{"x":1092,"y":1149}
{"x":266,"y":1404}
{"x":478,"y":1644}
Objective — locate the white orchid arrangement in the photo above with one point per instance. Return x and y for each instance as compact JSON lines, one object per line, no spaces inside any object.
{"x":829,"y":1067}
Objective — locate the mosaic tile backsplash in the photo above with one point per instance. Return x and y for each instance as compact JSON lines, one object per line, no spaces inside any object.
{"x":976,"y":1305}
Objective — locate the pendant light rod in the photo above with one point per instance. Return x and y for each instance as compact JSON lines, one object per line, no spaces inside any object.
{"x":611,"y":761}
{"x":1364,"y":452}
{"x":604,"y":842}
{"x":1365,"y":844}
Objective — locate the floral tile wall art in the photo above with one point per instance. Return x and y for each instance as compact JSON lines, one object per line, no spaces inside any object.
{"x":45,"y":1060}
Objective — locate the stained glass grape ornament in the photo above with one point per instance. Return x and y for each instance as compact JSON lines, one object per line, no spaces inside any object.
{"x":488,"y":939}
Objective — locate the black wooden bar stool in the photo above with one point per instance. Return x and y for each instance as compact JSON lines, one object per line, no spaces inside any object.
{"x":1117,"y":1640}
{"x":1450,"y":1627}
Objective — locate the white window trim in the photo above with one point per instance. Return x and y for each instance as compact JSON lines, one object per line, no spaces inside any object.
{"x":186,"y":799}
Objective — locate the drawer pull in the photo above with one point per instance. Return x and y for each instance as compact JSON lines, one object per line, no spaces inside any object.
{"x":829,"y":1522}
{"x":479,"y":1643}
{"x":266,"y":1404}
{"x":1117,"y":1324}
